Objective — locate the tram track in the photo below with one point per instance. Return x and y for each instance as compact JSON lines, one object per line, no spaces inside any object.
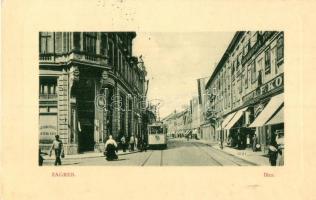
{"x":209,"y":155}
{"x":146,"y":160}
{"x":228,"y":156}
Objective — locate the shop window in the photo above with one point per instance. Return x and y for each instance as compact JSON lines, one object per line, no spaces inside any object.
{"x":280,"y":50}
{"x":267,"y":61}
{"x":46,"y":43}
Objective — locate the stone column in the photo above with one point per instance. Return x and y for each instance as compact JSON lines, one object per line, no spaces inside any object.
{"x":72,"y":80}
{"x":63,"y":117}
{"x":116,"y":113}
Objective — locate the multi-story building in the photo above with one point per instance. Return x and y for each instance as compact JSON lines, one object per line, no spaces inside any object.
{"x":206,"y":128}
{"x":195,"y":116}
{"x":90,"y":86}
{"x":246,"y":87}
{"x":171,"y":122}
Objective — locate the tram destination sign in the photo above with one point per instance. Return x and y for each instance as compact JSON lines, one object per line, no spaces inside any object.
{"x":269,"y":87}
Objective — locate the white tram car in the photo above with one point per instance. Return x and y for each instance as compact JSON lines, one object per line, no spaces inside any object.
{"x":157,"y":135}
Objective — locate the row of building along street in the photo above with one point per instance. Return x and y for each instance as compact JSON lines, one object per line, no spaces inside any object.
{"x":240,"y":105}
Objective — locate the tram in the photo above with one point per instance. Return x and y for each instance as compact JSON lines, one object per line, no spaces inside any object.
{"x":157,"y":135}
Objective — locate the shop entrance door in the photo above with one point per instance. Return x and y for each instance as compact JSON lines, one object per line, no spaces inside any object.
{"x":85,"y":103}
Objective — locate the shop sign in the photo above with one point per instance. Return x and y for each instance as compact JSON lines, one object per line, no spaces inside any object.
{"x":269,"y":87}
{"x":48,"y":128}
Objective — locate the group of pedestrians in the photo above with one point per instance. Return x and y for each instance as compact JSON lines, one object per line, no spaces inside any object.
{"x":130,"y":144}
{"x":111,"y":146}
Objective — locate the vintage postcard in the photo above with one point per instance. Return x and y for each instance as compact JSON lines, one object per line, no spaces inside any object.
{"x":157,"y":100}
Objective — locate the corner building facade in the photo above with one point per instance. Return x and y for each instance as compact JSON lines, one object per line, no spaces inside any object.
{"x":90,"y":86}
{"x":246,"y":88}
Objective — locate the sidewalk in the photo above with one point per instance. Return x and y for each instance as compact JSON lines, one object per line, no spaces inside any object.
{"x":88,"y":155}
{"x":257,"y":158}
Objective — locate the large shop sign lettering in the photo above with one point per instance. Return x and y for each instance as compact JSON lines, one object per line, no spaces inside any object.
{"x":271,"y":86}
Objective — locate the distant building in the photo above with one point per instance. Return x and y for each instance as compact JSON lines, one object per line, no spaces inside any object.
{"x":195,"y":116}
{"x":207,"y":131}
{"x":90,"y":86}
{"x":246,"y":87}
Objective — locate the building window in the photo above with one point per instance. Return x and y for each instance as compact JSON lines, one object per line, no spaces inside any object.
{"x":65,"y":42}
{"x":111,"y":53}
{"x":119,"y":57}
{"x":77,"y":40}
{"x":103,"y":44}
{"x":254,"y":39}
{"x":253,"y":72}
{"x":46,"y":44}
{"x":245,"y":77}
{"x":280,"y":50}
{"x":90,"y":42}
{"x":259,"y":77}
{"x":239,"y":85}
{"x":267,"y":61}
{"x":48,"y":86}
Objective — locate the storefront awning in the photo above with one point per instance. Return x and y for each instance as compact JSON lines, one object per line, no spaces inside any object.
{"x":227,"y":119}
{"x":236,"y":117}
{"x":273,"y":105}
{"x":277,"y":118}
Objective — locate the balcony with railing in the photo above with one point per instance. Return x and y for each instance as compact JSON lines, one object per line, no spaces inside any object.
{"x":77,"y":56}
{"x":46,"y":57}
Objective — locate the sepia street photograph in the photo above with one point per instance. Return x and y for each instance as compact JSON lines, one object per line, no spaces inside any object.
{"x":106,"y":98}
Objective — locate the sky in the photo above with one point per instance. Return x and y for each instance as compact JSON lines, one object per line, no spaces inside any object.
{"x":174,"y":62}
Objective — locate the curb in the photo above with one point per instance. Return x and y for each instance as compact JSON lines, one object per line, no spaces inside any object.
{"x":94,"y":156}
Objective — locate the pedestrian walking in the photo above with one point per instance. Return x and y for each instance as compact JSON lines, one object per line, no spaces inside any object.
{"x":123,"y":143}
{"x":111,"y":148}
{"x":239,"y":140}
{"x":40,"y":157}
{"x":273,"y":153}
{"x":248,"y":141}
{"x":254,"y":142}
{"x":57,"y":146}
{"x":280,"y":143}
{"x":144,"y":146}
{"x":132,"y":142}
{"x":136,"y":143}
